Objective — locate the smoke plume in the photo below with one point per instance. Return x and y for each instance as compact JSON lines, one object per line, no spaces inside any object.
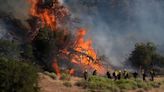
{"x":17,"y":8}
{"x":116,"y":25}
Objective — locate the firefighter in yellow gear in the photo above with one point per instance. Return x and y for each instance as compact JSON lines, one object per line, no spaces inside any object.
{"x":126,"y":74}
{"x":115,"y":74}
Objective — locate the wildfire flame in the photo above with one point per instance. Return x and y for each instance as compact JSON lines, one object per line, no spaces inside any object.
{"x":88,"y":56}
{"x":83,"y":53}
{"x":56,"y":67}
{"x":71,"y":72}
{"x":49,"y":16}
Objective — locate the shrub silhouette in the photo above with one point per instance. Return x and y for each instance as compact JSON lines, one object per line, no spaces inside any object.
{"x":17,"y":76}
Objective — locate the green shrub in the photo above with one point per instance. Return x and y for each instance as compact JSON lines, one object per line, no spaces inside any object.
{"x":102,"y":84}
{"x":67,"y":84}
{"x":141,"y":84}
{"x":154,"y":84}
{"x":99,"y":82}
{"x":9,"y":49}
{"x":52,"y":75}
{"x":17,"y":76}
{"x":65,"y":76}
{"x":82,"y":83}
{"x":126,"y":84}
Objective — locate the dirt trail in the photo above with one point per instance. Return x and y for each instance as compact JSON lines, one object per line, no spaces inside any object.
{"x":48,"y":84}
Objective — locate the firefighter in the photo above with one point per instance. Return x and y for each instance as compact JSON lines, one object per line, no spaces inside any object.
{"x":135,"y":74}
{"x":86,"y":74}
{"x":119,"y":74}
{"x":115,"y":75}
{"x":108,"y":74}
{"x":152,"y":74}
{"x":144,"y":75}
{"x":125,"y":74}
{"x":94,"y":72}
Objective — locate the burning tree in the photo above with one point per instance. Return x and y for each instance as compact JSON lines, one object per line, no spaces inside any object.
{"x":74,"y":49}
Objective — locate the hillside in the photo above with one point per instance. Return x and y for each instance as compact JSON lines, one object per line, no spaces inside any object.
{"x":48,"y":84}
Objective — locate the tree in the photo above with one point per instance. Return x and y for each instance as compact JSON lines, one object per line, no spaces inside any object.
{"x":42,"y":48}
{"x":158,"y":64}
{"x":47,"y":45}
{"x":143,"y":55}
{"x":27,"y":51}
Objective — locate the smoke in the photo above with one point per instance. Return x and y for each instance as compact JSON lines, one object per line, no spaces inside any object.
{"x":116,"y":25}
{"x":61,"y":1}
{"x":12,"y":13}
{"x":2,"y":30}
{"x":17,"y":8}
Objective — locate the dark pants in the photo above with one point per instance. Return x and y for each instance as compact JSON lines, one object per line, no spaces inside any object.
{"x":144,"y":77}
{"x":152,"y":78}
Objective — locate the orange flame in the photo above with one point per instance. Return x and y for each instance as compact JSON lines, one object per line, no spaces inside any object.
{"x":88,"y":58}
{"x":50,"y":17}
{"x":45,"y":15}
{"x":56,"y":67}
{"x":71,"y":72}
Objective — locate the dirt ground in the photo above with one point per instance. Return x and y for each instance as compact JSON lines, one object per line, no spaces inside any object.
{"x":48,"y":84}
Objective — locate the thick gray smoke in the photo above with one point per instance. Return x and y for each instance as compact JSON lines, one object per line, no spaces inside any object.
{"x":17,"y":8}
{"x":116,"y":25}
{"x":2,"y":30}
{"x":10,"y":10}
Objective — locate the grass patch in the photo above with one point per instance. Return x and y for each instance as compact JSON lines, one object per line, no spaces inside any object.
{"x":102,"y":84}
{"x":52,"y":75}
{"x":67,"y":84}
{"x":65,"y":76}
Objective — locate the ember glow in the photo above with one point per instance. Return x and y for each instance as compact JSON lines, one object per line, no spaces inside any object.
{"x":82,"y":53}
